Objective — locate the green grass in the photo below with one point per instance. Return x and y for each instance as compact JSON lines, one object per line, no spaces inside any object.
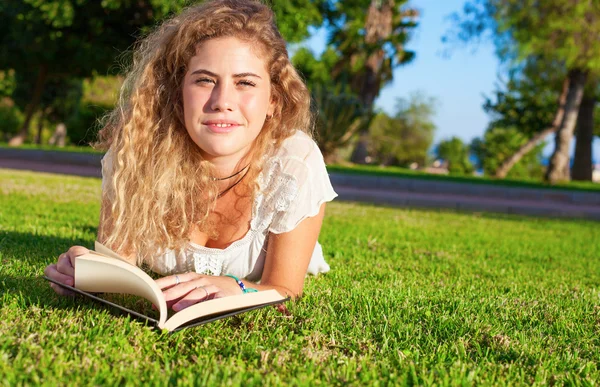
{"x":67,"y":148}
{"x":413,"y":297}
{"x":374,"y":170}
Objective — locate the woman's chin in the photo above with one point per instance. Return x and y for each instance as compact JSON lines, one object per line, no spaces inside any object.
{"x":220,"y":153}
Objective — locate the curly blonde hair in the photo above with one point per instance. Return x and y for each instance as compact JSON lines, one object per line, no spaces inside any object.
{"x":160,"y":186}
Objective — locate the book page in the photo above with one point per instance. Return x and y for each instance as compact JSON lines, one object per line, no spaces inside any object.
{"x":220,"y":305}
{"x":98,"y":273}
{"x":103,"y":250}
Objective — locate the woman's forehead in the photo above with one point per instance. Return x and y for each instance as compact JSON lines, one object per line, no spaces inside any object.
{"x":230,"y":52}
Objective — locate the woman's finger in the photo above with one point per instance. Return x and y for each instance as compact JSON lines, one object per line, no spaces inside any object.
{"x":60,"y":290}
{"x":65,"y":266}
{"x":174,"y":293}
{"x":199,"y":294}
{"x":51,"y":271}
{"x":174,"y":280}
{"x":76,"y":251}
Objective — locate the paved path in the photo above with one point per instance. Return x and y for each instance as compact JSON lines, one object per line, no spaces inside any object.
{"x":40,"y":166}
{"x":556,"y":205}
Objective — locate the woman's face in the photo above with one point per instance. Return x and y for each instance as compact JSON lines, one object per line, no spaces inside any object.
{"x":226,"y":98}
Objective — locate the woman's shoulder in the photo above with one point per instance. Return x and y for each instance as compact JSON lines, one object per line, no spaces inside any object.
{"x":299,"y":157}
{"x":299,"y":146}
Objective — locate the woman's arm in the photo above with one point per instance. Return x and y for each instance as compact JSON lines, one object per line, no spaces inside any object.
{"x":289,"y":254}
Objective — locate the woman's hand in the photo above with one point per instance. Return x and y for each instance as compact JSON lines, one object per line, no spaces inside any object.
{"x":63,"y":270}
{"x":183,"y":290}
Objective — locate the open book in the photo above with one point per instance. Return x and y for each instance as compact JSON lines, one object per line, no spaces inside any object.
{"x":104,"y":271}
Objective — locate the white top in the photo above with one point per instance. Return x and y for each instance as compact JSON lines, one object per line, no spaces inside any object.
{"x":293,"y":185}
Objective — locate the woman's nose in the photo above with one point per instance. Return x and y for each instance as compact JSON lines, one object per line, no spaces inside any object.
{"x":222,"y":98}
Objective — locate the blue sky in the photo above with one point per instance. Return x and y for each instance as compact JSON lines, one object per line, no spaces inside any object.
{"x":458,"y":81}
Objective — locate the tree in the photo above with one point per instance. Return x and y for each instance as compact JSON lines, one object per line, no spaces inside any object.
{"x":370,"y":46}
{"x":405,"y":137}
{"x":59,"y":39}
{"x":526,"y":103}
{"x":563,"y":31}
{"x":456,"y":153}
{"x":500,"y":143}
{"x":59,"y":99}
{"x":338,"y":116}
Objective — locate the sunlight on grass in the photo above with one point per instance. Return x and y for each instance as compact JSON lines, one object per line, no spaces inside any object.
{"x":413,"y":297}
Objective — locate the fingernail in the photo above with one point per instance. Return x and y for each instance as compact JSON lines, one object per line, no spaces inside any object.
{"x":69,"y":282}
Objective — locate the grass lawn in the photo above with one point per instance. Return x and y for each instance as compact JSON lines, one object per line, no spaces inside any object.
{"x":414,"y":297}
{"x":67,"y":148}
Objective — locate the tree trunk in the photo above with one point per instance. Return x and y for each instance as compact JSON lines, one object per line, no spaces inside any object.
{"x":378,"y":25}
{"x":31,"y":107}
{"x":559,"y":167}
{"x":506,"y":166}
{"x":582,"y":165}
{"x":40,"y":128}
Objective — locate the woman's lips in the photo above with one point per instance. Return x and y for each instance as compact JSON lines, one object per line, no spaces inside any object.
{"x":221,"y":126}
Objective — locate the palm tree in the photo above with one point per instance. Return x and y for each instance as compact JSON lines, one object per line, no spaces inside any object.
{"x":371,"y":45}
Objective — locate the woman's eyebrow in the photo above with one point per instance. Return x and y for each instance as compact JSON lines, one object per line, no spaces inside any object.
{"x":211,"y":74}
{"x":244,"y":75}
{"x":206,"y":72}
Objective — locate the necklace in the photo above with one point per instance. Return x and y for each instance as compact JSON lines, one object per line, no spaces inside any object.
{"x":229,"y":177}
{"x":234,"y":184}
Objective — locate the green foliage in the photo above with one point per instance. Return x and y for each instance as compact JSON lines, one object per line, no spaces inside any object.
{"x":563,"y":30}
{"x":73,"y":38}
{"x":83,"y":126}
{"x":405,"y":137}
{"x":529,"y":99}
{"x":295,"y":17}
{"x":77,"y":37}
{"x":522,"y":107}
{"x":99,"y":97}
{"x":56,"y":43}
{"x":8,"y":83}
{"x":339,"y":116}
{"x":413,"y":298}
{"x":316,"y":71}
{"x":60,"y":98}
{"x":456,"y":154}
{"x":11,"y":119}
{"x":498,"y":144}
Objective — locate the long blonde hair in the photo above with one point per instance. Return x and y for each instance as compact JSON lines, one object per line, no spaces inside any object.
{"x":161,"y":187}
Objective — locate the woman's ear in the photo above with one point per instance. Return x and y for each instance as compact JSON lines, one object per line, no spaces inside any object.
{"x":272,"y":106}
{"x":270,"y":112}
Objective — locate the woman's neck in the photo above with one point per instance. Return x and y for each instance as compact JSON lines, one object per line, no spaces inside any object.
{"x":226,"y":167}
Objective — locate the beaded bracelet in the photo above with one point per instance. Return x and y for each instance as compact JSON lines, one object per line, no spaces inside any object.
{"x":241,"y":284}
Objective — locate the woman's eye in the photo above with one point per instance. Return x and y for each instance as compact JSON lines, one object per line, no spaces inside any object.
{"x":246,"y":83}
{"x":204,"y":81}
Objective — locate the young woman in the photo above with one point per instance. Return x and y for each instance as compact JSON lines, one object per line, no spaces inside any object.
{"x":211,"y":176}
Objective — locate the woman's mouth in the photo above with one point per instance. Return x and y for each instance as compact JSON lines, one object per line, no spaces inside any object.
{"x":221,"y":126}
